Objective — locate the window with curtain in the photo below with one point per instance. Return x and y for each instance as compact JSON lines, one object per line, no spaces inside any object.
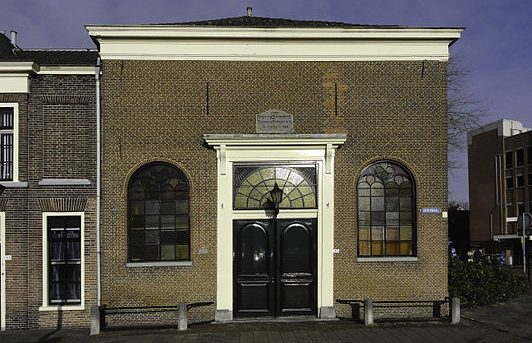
{"x":158,"y":214}
{"x":386,"y":211}
{"x":64,"y":260}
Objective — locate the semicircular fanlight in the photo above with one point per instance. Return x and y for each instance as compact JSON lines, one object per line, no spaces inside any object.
{"x":252,"y":186}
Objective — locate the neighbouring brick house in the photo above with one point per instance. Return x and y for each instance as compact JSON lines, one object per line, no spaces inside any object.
{"x":48,"y":178}
{"x":205,"y":124}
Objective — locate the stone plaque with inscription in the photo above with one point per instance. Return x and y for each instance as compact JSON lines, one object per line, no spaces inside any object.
{"x":274,"y":121}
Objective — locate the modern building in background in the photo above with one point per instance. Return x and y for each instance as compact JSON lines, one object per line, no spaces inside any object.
{"x":201,"y":123}
{"x":500,"y":185}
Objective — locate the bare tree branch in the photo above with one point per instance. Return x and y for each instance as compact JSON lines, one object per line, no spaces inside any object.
{"x":465,"y":111}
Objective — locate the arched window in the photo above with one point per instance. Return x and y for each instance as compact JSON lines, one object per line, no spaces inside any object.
{"x":158,"y":214}
{"x":386,"y":211}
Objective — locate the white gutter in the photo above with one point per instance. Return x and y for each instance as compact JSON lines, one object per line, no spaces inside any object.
{"x":98,"y":184}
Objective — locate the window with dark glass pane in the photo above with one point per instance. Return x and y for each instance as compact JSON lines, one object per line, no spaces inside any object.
{"x":6,"y":143}
{"x":510,"y":182}
{"x":519,"y":158}
{"x":510,"y":211}
{"x":529,"y":154}
{"x":520,"y":180}
{"x":508,"y":157}
{"x":64,"y":255}
{"x":158,"y":214}
{"x":386,"y":217}
{"x":520,"y":209}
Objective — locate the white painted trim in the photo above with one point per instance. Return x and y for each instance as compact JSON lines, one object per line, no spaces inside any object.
{"x":182,"y":31}
{"x":2,"y":271}
{"x":159,"y":264}
{"x":19,"y":67}
{"x":45,"y":305}
{"x":11,"y":184}
{"x":14,"y":76}
{"x":14,"y":105}
{"x":497,"y":238}
{"x":14,"y":83}
{"x":62,"y":308}
{"x":64,"y":182}
{"x":279,"y":150}
{"x":67,"y":70}
{"x":272,"y":141}
{"x":283,"y":214}
{"x":160,"y":42}
{"x":388,"y":259}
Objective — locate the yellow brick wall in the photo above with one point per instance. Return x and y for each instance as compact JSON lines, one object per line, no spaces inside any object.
{"x":158,"y":111}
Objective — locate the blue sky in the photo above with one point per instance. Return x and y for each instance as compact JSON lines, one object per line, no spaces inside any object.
{"x":496,"y":47}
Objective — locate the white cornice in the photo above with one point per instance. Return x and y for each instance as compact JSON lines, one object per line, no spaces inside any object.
{"x":18,"y":67}
{"x":216,"y":140}
{"x":264,"y":44}
{"x":12,"y":68}
{"x":172,"y":31}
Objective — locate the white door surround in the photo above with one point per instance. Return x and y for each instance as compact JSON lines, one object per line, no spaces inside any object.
{"x":285,"y":149}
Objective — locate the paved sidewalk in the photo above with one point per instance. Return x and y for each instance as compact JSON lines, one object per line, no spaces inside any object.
{"x":509,"y":322}
{"x":513,"y":318}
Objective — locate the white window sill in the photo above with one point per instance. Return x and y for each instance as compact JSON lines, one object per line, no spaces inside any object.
{"x":64,"y":182}
{"x":159,"y":264}
{"x":51,"y":308}
{"x":388,"y":259}
{"x":14,"y":184}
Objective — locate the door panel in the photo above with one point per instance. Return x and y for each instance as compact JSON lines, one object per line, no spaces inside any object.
{"x":274,"y":267}
{"x":253,"y":290}
{"x":297,"y":267}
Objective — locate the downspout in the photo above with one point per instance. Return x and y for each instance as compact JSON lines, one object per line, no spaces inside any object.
{"x":98,"y":184}
{"x":502,"y":209}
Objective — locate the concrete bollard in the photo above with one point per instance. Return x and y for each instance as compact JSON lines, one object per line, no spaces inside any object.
{"x":368,"y":311}
{"x":183,"y":318}
{"x":455,"y":310}
{"x":95,"y":320}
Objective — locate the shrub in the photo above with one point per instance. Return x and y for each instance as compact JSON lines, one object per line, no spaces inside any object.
{"x":477,"y":284}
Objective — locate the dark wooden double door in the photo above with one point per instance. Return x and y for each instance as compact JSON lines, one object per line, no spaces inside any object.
{"x":274,"y":267}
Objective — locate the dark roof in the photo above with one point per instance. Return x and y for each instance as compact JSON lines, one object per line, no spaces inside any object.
{"x":52,"y":57}
{"x":6,"y":48}
{"x":247,"y":21}
{"x":59,"y":56}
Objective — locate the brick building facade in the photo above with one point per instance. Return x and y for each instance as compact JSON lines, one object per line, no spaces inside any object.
{"x":500,"y":185}
{"x":47,"y":99}
{"x":202,"y":122}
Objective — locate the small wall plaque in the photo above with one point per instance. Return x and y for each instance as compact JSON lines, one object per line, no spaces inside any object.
{"x":430,"y":210}
{"x":274,"y":121}
{"x":8,"y":257}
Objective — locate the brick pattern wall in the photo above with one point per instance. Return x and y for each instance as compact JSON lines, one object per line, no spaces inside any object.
{"x":57,"y":130}
{"x":159,"y":110}
{"x":16,"y":234}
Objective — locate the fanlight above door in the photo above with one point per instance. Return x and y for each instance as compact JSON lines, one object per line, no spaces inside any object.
{"x":252,"y":185}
